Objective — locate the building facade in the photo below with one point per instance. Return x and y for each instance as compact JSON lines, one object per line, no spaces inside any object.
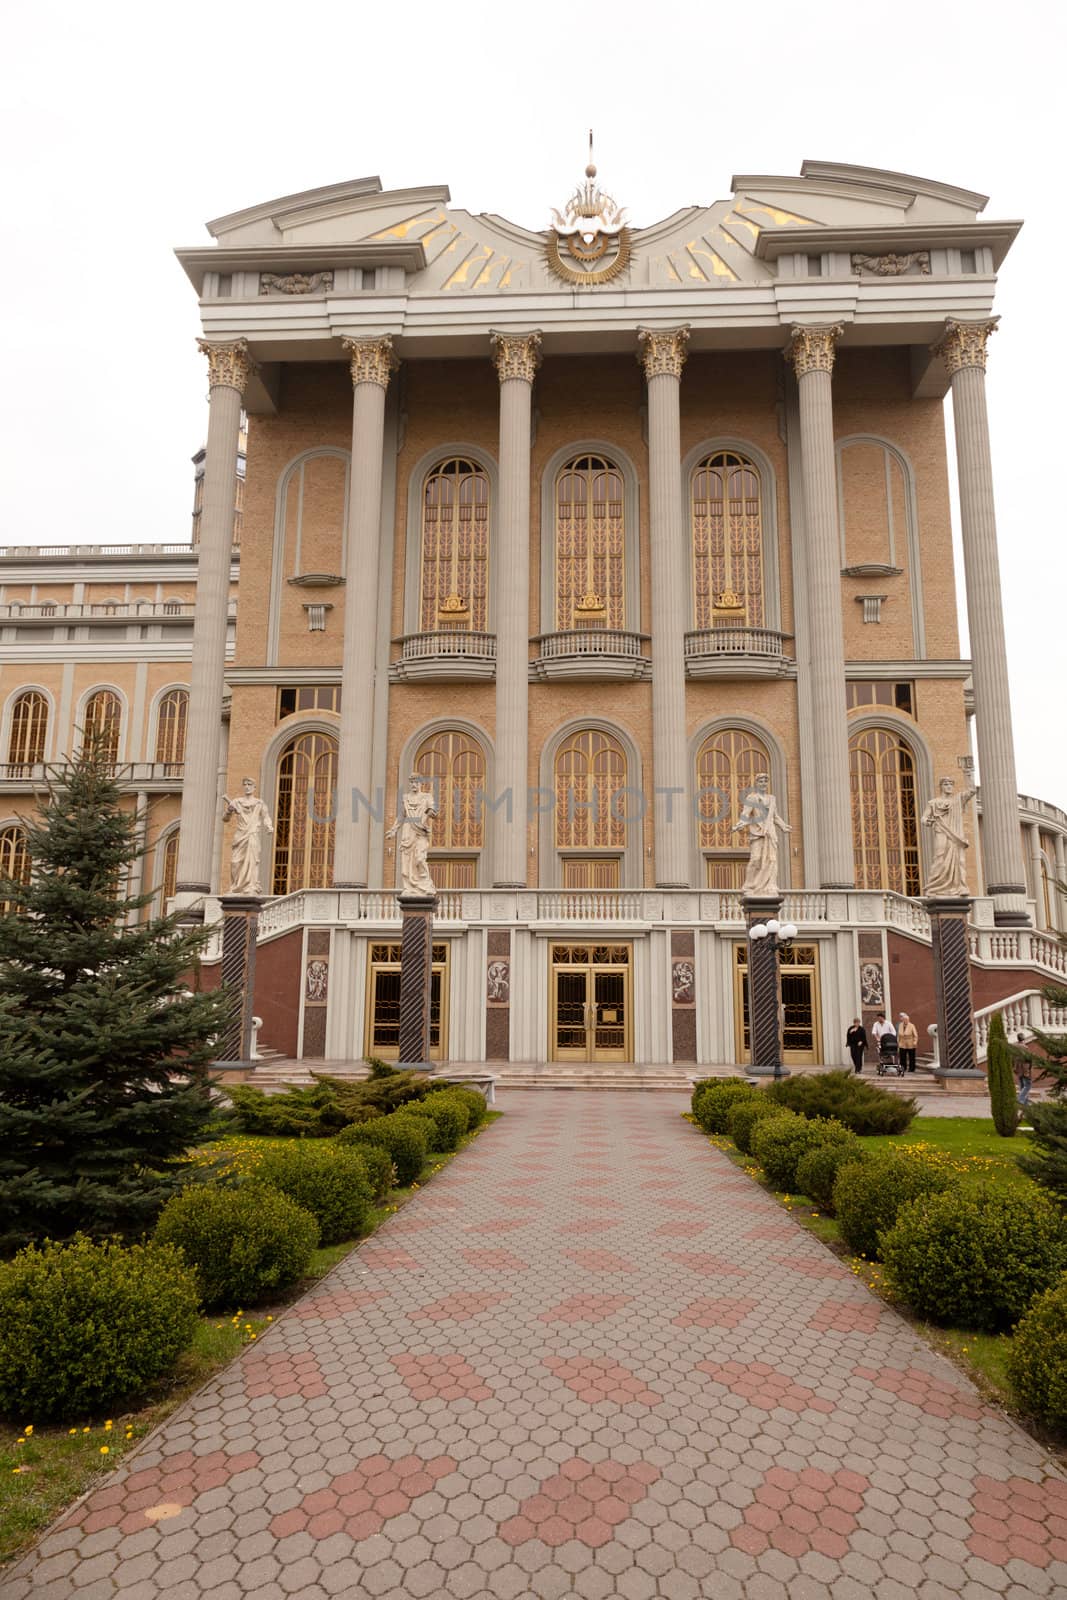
{"x":588,"y":527}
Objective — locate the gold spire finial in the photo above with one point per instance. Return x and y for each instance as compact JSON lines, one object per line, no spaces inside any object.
{"x":590,"y":170}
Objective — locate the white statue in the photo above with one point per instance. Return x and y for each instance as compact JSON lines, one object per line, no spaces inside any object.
{"x":252,"y":815}
{"x":947,"y":877}
{"x":413,"y":827}
{"x":759,"y":814}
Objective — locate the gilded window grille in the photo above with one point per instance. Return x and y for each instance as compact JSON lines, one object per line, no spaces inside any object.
{"x":169,"y":886}
{"x":591,"y":872}
{"x":727,"y":516}
{"x":14,"y":859}
{"x":103,"y":723}
{"x":304,"y":808}
{"x":454,"y":872}
{"x":728,"y":764}
{"x":590,"y":780}
{"x":455,"y":548}
{"x":885,"y":820}
{"x":454,"y":764}
{"x":29,"y":729}
{"x":590,"y":545}
{"x":170,"y":730}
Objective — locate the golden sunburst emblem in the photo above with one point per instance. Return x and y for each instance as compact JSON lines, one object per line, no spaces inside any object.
{"x":589,"y":242}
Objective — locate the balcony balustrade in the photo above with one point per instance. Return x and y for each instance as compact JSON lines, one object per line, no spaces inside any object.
{"x":449,"y":653}
{"x":592,"y":653}
{"x":734,"y":651}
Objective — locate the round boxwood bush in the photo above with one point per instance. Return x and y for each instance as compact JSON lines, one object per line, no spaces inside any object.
{"x":714,"y":1098}
{"x":378,"y":1165}
{"x":403,"y":1135}
{"x":742,"y":1117}
{"x":817,"y":1170}
{"x":83,"y":1324}
{"x":245,"y":1244}
{"x":868,"y":1194}
{"x":475,"y":1102}
{"x":1037,"y":1361}
{"x":325,"y":1178}
{"x":975,"y":1258}
{"x":779,"y":1142}
{"x":450,"y":1117}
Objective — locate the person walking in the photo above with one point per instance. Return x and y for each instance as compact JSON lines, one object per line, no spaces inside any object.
{"x":856,"y":1043}
{"x":1023,"y":1078}
{"x":908,"y":1040}
{"x":880,"y":1026}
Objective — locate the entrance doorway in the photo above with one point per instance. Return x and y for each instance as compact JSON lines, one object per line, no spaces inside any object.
{"x":801,"y":1033}
{"x":383,"y":1002}
{"x":589,"y":1003}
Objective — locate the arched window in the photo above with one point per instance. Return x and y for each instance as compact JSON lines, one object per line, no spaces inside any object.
{"x":455,"y":547}
{"x":170,"y":730}
{"x":885,"y":821}
{"x":14,"y":858}
{"x":169,"y":885}
{"x":726,"y":508}
{"x":29,"y":725}
{"x":303,"y":812}
{"x":728,"y":764}
{"x":103,"y":721}
{"x":590,"y":773}
{"x":454,"y":763}
{"x":590,"y":545}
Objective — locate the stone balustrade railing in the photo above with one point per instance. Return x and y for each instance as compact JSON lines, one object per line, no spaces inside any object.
{"x":131,"y":774}
{"x":448,"y":642}
{"x":735,"y":641}
{"x":100,"y":610}
{"x":590,"y":642}
{"x":1024,"y":1012}
{"x":31,"y":552}
{"x":1019,"y":947}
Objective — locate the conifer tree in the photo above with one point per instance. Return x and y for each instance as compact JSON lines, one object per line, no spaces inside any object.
{"x":1000,"y":1075}
{"x":103,"y":1050}
{"x":1046,"y":1159}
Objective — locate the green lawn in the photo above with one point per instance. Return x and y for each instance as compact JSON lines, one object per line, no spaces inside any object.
{"x":976,"y":1149}
{"x":43,"y":1470}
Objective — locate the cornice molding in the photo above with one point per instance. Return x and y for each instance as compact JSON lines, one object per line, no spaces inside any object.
{"x":199,"y":260}
{"x":877,"y":240}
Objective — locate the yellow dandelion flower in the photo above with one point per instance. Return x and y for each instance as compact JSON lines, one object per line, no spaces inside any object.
{"x":105,"y":1449}
{"x":87,"y":1430}
{"x":28,"y":1429}
{"x":72,"y":1432}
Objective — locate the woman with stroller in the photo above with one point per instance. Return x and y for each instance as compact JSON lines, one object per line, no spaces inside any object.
{"x":888,"y":1059}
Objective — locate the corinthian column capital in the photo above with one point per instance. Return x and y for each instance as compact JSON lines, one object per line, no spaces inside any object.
{"x":371,"y":360}
{"x":516,"y":355}
{"x":963,"y":344}
{"x":662,"y":352}
{"x":812,"y":349}
{"x":229,"y":365}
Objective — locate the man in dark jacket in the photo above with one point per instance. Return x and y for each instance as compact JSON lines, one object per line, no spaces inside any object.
{"x":856,"y":1043}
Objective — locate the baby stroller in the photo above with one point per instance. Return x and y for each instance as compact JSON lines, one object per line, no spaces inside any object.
{"x":889,"y":1057}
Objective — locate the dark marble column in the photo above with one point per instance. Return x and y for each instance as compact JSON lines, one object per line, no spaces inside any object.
{"x":416,"y":968}
{"x":240,"y":924}
{"x":955,"y":1003}
{"x":764,"y":990}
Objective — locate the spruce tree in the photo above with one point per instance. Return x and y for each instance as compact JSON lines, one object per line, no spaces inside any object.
{"x":1000,"y":1075}
{"x":1046,"y":1159}
{"x":103,"y":1050}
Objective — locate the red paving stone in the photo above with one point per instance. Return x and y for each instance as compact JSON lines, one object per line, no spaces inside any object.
{"x":445,"y":1418}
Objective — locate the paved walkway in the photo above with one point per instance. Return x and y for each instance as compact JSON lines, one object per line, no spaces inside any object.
{"x":592,"y":1359}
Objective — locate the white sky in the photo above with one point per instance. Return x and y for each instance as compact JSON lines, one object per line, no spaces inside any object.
{"x":124,"y":127}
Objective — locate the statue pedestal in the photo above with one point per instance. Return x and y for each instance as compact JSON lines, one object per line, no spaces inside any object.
{"x":416,"y":967}
{"x":764,"y":990}
{"x":240,"y":924}
{"x":952,"y":979}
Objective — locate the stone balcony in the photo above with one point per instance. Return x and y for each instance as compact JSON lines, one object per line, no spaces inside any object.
{"x":449,"y":654}
{"x":591,"y":653}
{"x":155,"y":777}
{"x":737,"y":652}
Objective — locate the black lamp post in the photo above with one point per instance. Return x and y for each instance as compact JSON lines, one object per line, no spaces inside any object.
{"x":766,"y":942}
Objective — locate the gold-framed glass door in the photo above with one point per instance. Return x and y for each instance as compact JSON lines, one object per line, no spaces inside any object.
{"x":382,"y":1032}
{"x":590,"y":1002}
{"x":801,"y":1022}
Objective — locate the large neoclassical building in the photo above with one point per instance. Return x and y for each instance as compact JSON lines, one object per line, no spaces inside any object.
{"x":589,"y":526}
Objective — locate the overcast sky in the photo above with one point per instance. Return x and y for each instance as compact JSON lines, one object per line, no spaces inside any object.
{"x":125,"y":127}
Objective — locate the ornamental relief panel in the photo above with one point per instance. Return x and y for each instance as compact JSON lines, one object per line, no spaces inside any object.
{"x":914,"y":263}
{"x":295,"y":282}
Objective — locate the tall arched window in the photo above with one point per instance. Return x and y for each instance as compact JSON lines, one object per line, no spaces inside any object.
{"x":590,"y":545}
{"x":885,"y":820}
{"x":728,"y":763}
{"x":590,"y":773}
{"x":103,"y":720}
{"x":726,"y":508}
{"x":454,"y":763}
{"x":169,"y":885}
{"x":29,"y":726}
{"x":14,"y":858}
{"x":303,"y":811}
{"x":455,"y":547}
{"x":170,"y":730}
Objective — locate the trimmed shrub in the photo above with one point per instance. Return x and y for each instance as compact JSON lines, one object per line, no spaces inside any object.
{"x":1037,"y":1361}
{"x":311,"y":1113}
{"x":817,"y":1170}
{"x":450,"y":1117}
{"x":869,"y":1194}
{"x":1000,"y":1075}
{"x":245,"y":1244}
{"x":378,"y":1163}
{"x":975,"y":1258}
{"x":779,"y":1142}
{"x":475,"y":1102}
{"x":860,"y":1105}
{"x":403,"y":1136}
{"x":83,"y":1325}
{"x":742,"y":1117}
{"x":328,"y":1180}
{"x":713,"y":1099}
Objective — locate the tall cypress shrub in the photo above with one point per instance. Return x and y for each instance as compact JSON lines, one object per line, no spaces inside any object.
{"x":1001,"y":1078}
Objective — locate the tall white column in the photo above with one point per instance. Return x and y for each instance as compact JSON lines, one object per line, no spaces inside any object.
{"x":229,"y":368}
{"x":663,"y":357}
{"x":1060,"y":897}
{"x":372,"y":364}
{"x":812,"y":354}
{"x":516,"y":357}
{"x":964,"y":351}
{"x":1037,"y":861}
